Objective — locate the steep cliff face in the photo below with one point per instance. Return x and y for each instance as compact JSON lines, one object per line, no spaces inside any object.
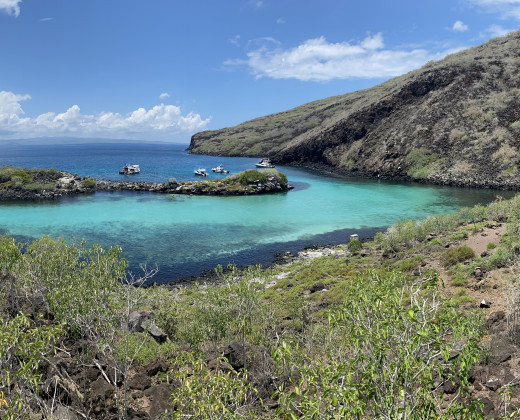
{"x":455,"y":121}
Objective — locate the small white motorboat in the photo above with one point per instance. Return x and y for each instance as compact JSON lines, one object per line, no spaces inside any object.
{"x":200,"y":172}
{"x":130,"y":170}
{"x":264,"y":163}
{"x":220,"y":170}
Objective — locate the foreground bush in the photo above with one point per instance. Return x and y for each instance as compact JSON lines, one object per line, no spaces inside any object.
{"x":395,"y":339}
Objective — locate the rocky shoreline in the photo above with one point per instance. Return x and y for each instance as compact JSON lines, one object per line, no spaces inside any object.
{"x":462,"y":181}
{"x":71,"y":184}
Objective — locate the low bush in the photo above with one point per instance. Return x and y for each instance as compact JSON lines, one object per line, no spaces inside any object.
{"x":387,"y":337}
{"x":88,"y":183}
{"x":39,"y":186}
{"x":460,"y":297}
{"x":408,"y":264}
{"x":459,"y":279}
{"x":251,"y":176}
{"x":499,"y":259}
{"x":419,"y":161}
{"x":456,"y":255}
{"x":354,"y":246}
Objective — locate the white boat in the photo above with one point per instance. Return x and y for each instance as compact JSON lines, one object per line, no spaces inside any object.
{"x":264,"y":163}
{"x":130,"y":170}
{"x":220,"y":170}
{"x":200,"y":172}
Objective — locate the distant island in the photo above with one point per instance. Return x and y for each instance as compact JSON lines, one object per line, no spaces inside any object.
{"x":33,"y":184}
{"x":453,"y":122}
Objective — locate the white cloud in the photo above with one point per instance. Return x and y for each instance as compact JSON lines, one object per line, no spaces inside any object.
{"x":281,"y":20}
{"x":11,"y":7}
{"x":497,"y":30}
{"x":46,"y":19}
{"x":459,"y":26}
{"x":235,"y":40}
{"x":160,"y":122}
{"x":164,"y":95}
{"x":507,"y":8}
{"x":257,"y":3}
{"x":10,"y":103}
{"x":318,"y":60}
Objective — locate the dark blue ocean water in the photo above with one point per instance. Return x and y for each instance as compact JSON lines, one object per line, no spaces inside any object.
{"x":184,"y":235}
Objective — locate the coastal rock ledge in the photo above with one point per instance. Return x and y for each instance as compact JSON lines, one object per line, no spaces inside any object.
{"x":60,"y":183}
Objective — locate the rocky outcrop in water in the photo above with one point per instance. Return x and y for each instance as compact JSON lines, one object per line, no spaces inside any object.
{"x":70,"y":184}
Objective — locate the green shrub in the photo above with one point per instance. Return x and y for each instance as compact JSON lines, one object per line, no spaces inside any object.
{"x":39,"y":186}
{"x":354,"y":246}
{"x":460,"y":296}
{"x":279,"y":176}
{"x":403,"y":234}
{"x":456,"y":255}
{"x":419,"y":161}
{"x":29,"y":179}
{"x":387,"y":337}
{"x":203,"y":393}
{"x":23,"y":348}
{"x":408,"y":264}
{"x":142,"y":348}
{"x":88,"y":183}
{"x":22,"y":174}
{"x":251,"y":176}
{"x":515,"y":125}
{"x":78,"y":283}
{"x":491,"y":246}
{"x":499,"y":259}
{"x":459,"y":279}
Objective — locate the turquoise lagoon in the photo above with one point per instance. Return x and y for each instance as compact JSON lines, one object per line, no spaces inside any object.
{"x":185,"y":235}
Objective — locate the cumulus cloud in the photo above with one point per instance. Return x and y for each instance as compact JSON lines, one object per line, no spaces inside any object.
{"x":160,"y":122}
{"x":318,"y":60}
{"x":507,"y":8}
{"x":11,"y":7}
{"x":164,"y":95}
{"x":459,"y":26}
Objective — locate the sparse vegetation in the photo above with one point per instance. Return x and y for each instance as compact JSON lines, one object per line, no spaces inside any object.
{"x":28,"y":179}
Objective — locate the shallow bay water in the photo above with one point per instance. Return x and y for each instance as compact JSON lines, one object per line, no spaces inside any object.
{"x":184,"y":235}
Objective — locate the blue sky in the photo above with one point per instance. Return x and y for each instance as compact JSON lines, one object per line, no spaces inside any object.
{"x":165,"y":69}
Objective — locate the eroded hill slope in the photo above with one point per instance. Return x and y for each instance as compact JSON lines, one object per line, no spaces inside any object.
{"x":454,"y":121}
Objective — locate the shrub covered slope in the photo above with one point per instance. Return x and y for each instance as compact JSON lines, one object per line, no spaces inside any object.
{"x":393,"y":328}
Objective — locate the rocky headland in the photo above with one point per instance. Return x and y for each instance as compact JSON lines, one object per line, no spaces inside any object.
{"x":452,"y":122}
